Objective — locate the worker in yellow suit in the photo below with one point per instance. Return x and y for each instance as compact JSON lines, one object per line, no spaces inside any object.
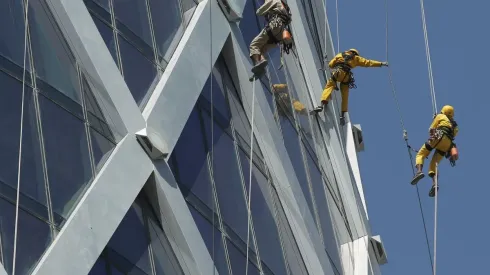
{"x":442,"y":132}
{"x":342,"y":64}
{"x":283,"y":100}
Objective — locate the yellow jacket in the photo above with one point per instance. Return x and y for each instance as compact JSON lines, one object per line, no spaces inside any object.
{"x":441,"y":120}
{"x":354,"y":62}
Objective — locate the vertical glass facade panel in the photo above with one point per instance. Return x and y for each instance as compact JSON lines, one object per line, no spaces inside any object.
{"x":67,"y":155}
{"x":53,"y":61}
{"x":12,"y":30}
{"x":107,"y":35}
{"x":167,"y":24}
{"x":134,"y":15}
{"x":238,"y":259}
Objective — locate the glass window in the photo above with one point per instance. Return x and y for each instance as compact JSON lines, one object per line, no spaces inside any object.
{"x":213,"y":241}
{"x":103,"y":3}
{"x":323,"y":212}
{"x":32,"y":178}
{"x":237,"y":260}
{"x":167,"y":25}
{"x":131,"y":240}
{"x":227,"y":178}
{"x":67,"y":155}
{"x":107,"y":35}
{"x":134,"y":15}
{"x":249,"y":25}
{"x":219,"y":100}
{"x":191,"y":159}
{"x":139,"y":72}
{"x":12,"y":30}
{"x":32,"y":240}
{"x":99,"y":267}
{"x":52,"y":59}
{"x":266,"y":230}
{"x":291,"y":141}
{"x":101,"y":147}
{"x":165,"y":261}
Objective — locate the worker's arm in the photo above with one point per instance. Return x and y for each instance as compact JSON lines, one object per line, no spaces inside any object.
{"x":363,"y":62}
{"x":266,"y":7}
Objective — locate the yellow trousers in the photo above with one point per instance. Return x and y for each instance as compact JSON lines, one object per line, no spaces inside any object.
{"x":344,"y":89}
{"x":442,"y":145}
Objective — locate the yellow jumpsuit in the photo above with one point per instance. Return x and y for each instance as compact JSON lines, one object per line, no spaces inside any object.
{"x":442,"y":144}
{"x":342,"y":76}
{"x":284,"y":96}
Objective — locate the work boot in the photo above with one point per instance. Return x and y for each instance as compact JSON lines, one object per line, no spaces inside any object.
{"x":342,"y":119}
{"x":432,"y":192}
{"x":319,"y":108}
{"x":259,"y":67}
{"x":419,"y":175}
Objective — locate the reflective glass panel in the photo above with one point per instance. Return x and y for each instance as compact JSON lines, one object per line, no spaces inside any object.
{"x":107,"y":35}
{"x":134,"y":15}
{"x":219,"y":100}
{"x":249,"y":25}
{"x":131,"y":240}
{"x":53,"y":61}
{"x":32,"y":240}
{"x":262,"y":213}
{"x":103,"y":3}
{"x":213,"y":241}
{"x":32,"y":178}
{"x":102,"y":148}
{"x":99,"y":267}
{"x":238,"y":259}
{"x":67,"y":155}
{"x":12,"y":30}
{"x":139,"y":73}
{"x":191,"y":158}
{"x":167,"y":25}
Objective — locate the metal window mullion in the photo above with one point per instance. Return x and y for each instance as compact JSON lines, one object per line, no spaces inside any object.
{"x":245,"y":196}
{"x":115,"y":36}
{"x":153,"y":37}
{"x":278,"y":222}
{"x":216,"y":208}
{"x":37,"y":108}
{"x":148,"y":237}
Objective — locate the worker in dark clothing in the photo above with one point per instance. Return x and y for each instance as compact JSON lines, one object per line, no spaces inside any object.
{"x":442,"y":132}
{"x":278,"y":18}
{"x":342,"y":64}
{"x":283,"y":100}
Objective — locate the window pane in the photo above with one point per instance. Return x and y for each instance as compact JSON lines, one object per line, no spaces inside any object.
{"x":266,"y":230}
{"x":99,"y":267}
{"x":103,"y":3}
{"x":52,"y":59}
{"x":219,"y":100}
{"x":227,"y":178}
{"x":32,"y":178}
{"x":139,"y":72}
{"x":67,"y":155}
{"x":248,"y":24}
{"x":133,"y":14}
{"x":191,"y":159}
{"x":101,"y":147}
{"x":32,"y":240}
{"x":12,"y":30}
{"x":237,"y":260}
{"x":165,"y":261}
{"x":131,"y":240}
{"x":214,"y":244}
{"x":167,"y":24}
{"x":108,"y":35}
{"x":323,"y":212}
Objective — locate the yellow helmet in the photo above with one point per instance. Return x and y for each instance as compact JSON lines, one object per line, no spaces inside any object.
{"x":354,"y":51}
{"x":448,"y":110}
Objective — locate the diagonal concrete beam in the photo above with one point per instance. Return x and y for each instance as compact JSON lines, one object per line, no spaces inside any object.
{"x":2,"y":270}
{"x":99,"y":212}
{"x":90,"y":50}
{"x":175,"y":95}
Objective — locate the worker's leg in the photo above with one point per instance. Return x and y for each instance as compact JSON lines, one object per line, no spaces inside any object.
{"x":441,"y":148}
{"x":256,"y":46}
{"x":344,"y":91}
{"x":419,"y":161}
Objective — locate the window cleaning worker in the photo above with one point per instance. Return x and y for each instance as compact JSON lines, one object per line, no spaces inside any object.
{"x":342,"y":64}
{"x":442,"y":132}
{"x":283,"y":101}
{"x":278,"y":17}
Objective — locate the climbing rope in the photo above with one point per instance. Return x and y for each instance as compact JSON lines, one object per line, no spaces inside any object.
{"x":250,"y":174}
{"x":405,"y":133}
{"x":212,"y":116}
{"x":17,"y":204}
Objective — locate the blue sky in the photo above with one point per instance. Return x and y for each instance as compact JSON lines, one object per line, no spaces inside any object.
{"x":459,"y":42}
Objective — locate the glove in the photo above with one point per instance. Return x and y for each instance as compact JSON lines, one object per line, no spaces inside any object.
{"x":384,"y":64}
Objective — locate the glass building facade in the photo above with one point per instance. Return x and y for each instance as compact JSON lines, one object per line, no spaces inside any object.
{"x":240,"y":186}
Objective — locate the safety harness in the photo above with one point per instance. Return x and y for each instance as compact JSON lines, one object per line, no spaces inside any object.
{"x":439,"y":134}
{"x":282,"y":19}
{"x":344,"y":66}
